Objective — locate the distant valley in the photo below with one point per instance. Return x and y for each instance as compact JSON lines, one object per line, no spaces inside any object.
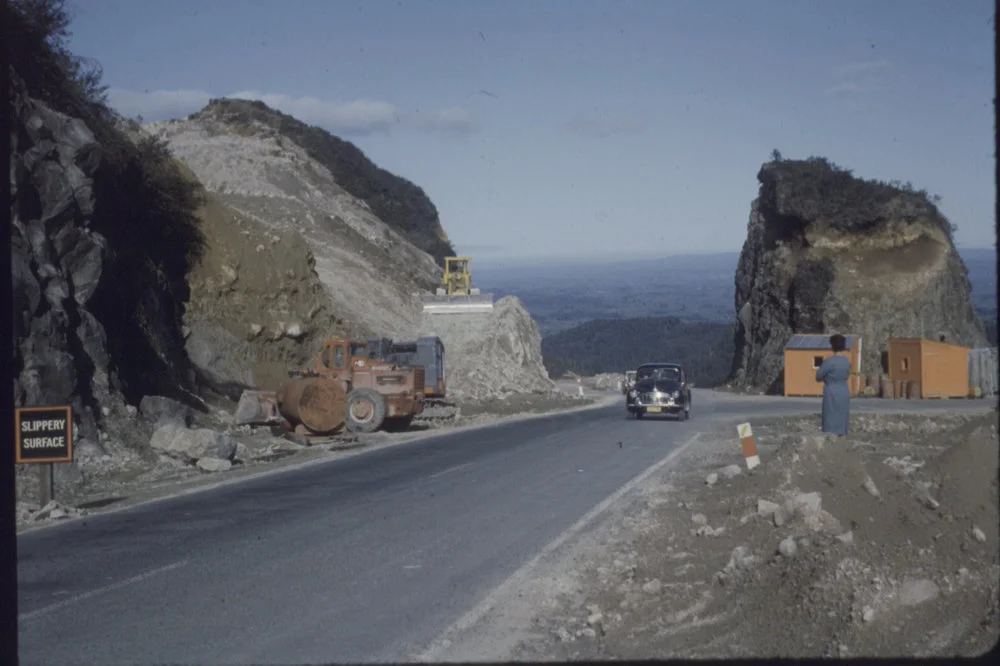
{"x":695,"y":288}
{"x":576,"y":305}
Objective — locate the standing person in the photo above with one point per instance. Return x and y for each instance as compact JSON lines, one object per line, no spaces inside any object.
{"x":834,"y":373}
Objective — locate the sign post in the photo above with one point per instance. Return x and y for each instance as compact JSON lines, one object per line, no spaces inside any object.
{"x":43,"y":436}
{"x":748,"y":444}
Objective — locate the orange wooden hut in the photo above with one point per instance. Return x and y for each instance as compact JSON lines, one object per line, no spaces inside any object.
{"x":941,"y":368}
{"x":804,"y":353}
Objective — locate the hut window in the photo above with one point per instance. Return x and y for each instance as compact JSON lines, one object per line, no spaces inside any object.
{"x":906,"y":364}
{"x":817,"y":361}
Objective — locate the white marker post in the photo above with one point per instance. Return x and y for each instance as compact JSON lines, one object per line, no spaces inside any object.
{"x":579,"y":387}
{"x":749,"y":446}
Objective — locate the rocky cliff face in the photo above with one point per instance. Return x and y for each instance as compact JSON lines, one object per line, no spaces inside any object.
{"x":372,"y":273}
{"x":826,"y":252}
{"x":491,"y":357}
{"x":60,"y":354}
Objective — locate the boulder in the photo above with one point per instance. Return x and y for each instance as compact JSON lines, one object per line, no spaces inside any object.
{"x":213,"y":464}
{"x":159,"y":410}
{"x":190,"y":445}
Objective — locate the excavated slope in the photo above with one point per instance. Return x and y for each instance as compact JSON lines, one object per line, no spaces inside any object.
{"x":827,"y":252}
{"x":371,"y":273}
{"x":257,"y":306}
{"x":491,"y":357}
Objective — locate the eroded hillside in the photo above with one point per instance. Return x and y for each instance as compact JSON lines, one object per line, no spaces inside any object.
{"x":257,"y":306}
{"x":370,"y":270}
{"x":826,"y":251}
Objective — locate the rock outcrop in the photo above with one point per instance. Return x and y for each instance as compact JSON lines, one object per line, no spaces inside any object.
{"x":60,"y":354}
{"x":827,"y":252}
{"x":491,"y":357}
{"x":241,"y":152}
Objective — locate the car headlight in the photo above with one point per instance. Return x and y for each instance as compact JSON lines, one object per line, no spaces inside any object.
{"x":677,"y":395}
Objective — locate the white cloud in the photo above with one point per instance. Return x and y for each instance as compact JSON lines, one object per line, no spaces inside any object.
{"x":603,"y":127}
{"x":859,"y":77}
{"x":453,"y":120}
{"x":352,"y":118}
{"x":358,"y":117}
{"x":863,"y":67}
{"x":158,"y":104}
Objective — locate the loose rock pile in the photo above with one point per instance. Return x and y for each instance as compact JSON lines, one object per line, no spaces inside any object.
{"x":494,"y":357}
{"x":830,"y":547}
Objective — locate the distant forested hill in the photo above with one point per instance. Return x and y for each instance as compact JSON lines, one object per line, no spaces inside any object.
{"x":614,"y":345}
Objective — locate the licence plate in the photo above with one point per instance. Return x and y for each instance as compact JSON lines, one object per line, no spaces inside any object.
{"x":653,"y":409}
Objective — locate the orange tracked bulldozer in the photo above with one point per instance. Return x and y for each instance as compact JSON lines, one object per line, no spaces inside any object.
{"x":345,"y":386}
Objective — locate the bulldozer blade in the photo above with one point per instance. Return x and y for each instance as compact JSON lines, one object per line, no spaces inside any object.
{"x":436,"y":304}
{"x":257,"y":408}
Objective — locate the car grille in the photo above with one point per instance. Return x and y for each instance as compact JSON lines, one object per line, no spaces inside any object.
{"x":650,"y":399}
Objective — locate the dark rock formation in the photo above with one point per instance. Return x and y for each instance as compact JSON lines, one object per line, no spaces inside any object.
{"x":60,"y":354}
{"x":827,"y":252}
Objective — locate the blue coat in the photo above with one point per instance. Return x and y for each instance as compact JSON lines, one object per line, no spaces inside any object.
{"x":834,"y":373}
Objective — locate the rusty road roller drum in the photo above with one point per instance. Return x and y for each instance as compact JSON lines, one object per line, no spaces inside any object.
{"x":317,"y":403}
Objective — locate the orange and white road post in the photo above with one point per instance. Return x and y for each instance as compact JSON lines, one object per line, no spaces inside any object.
{"x":749,"y":446}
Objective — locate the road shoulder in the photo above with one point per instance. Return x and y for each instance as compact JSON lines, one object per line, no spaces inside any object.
{"x":691,"y":565}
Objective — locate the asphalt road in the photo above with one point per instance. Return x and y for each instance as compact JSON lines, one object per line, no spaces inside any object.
{"x":363,"y":559}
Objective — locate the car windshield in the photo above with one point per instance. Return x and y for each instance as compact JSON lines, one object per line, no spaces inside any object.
{"x":659,"y":374}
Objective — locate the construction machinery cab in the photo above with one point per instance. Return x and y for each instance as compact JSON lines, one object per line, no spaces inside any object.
{"x":341,"y":357}
{"x":457,"y":278}
{"x":346,"y":385}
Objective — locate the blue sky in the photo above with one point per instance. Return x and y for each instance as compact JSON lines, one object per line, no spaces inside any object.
{"x":585,"y":128}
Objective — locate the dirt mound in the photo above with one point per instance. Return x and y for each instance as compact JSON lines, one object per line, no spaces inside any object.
{"x":883,"y":544}
{"x":257,"y":306}
{"x":491,"y":357}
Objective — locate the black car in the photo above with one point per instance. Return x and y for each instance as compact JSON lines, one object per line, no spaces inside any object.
{"x":660,"y":388}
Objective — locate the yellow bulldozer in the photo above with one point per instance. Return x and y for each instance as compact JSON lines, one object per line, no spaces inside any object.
{"x":456,"y":293}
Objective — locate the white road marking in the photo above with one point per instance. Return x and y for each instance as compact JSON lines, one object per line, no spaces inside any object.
{"x":86,"y":595}
{"x":434,"y":652}
{"x":450,"y":469}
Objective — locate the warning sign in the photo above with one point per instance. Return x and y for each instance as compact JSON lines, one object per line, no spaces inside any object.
{"x":43,"y":434}
{"x":744,"y":430}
